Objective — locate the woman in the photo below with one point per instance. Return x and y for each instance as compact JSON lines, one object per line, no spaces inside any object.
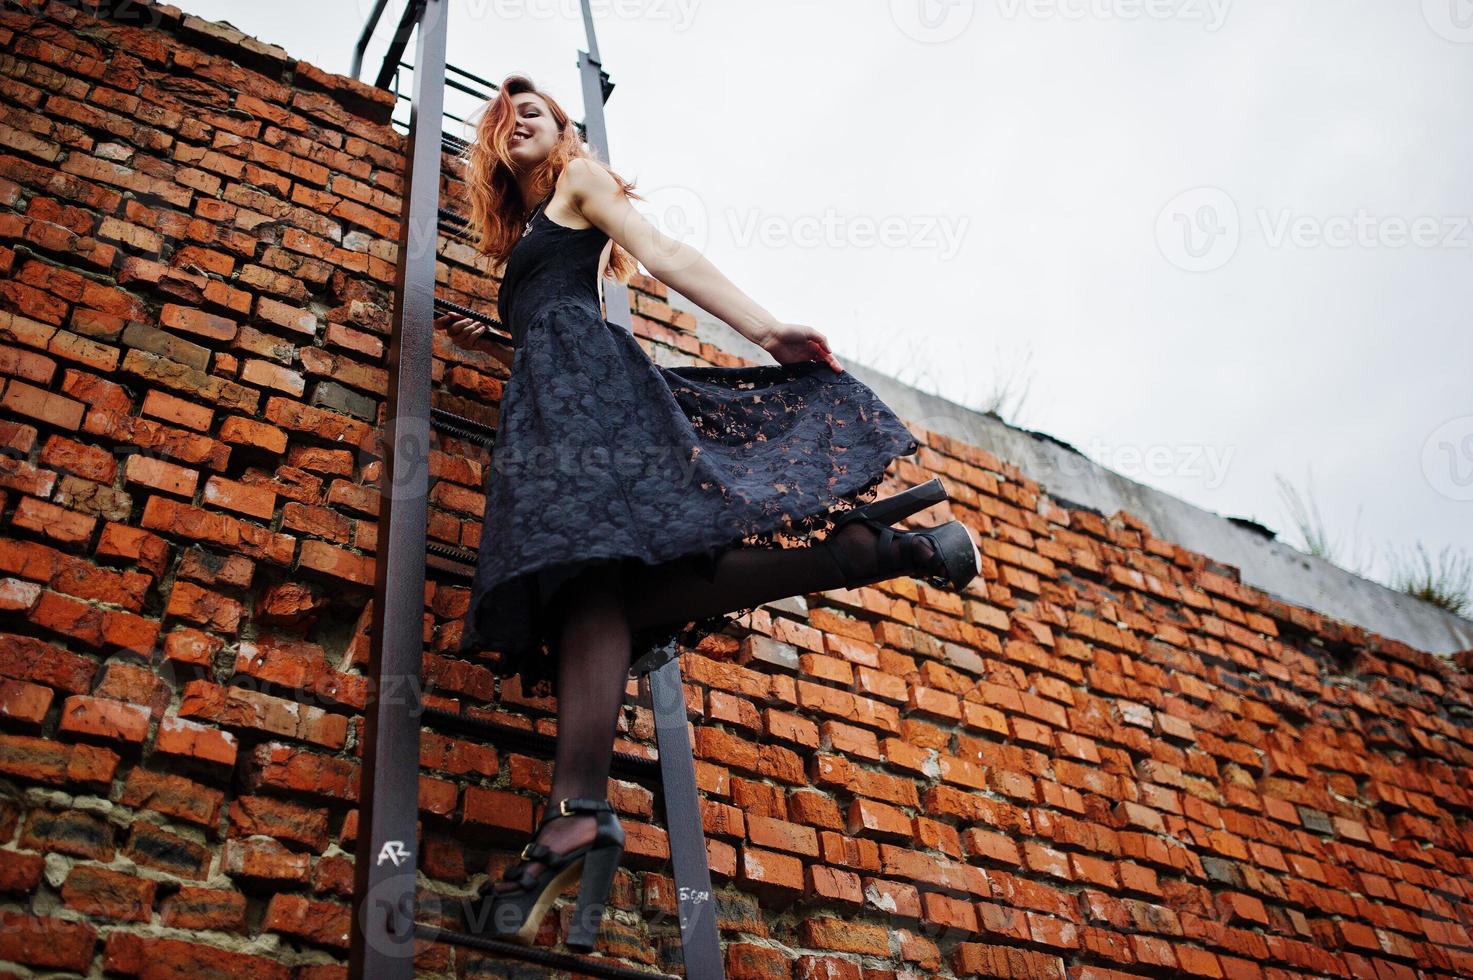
{"x":629,"y":504}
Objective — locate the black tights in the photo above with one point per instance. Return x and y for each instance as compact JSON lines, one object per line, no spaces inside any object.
{"x":601,"y":607}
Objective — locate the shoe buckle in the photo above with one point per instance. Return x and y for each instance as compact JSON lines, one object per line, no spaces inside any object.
{"x":562,"y":808}
{"x":525,"y":848}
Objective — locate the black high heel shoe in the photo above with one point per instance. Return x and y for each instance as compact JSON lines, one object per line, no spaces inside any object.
{"x":954,"y":560}
{"x":515,"y":915}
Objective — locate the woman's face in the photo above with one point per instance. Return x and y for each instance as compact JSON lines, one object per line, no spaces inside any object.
{"x":535,"y":133}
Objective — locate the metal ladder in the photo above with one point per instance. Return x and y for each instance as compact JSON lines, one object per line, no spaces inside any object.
{"x":384,"y":924}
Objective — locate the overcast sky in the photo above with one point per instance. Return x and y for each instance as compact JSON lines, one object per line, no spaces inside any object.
{"x":1218,"y":240}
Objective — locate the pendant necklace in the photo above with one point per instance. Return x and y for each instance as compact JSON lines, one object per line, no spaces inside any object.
{"x":527,"y":228}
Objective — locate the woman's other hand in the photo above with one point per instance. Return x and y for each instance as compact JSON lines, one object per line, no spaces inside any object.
{"x":464,"y":331}
{"x":790,"y":343}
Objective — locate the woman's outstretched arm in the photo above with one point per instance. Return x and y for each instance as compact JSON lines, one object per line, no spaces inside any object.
{"x":597,"y":197}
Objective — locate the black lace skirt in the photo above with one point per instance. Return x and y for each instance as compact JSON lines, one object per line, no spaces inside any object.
{"x":602,"y":456}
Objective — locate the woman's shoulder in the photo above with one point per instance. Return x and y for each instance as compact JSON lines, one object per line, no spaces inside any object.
{"x":579,"y":178}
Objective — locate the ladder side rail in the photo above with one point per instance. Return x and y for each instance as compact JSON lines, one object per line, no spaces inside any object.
{"x":596,"y":90}
{"x":382,"y":924}
{"x":699,"y":941}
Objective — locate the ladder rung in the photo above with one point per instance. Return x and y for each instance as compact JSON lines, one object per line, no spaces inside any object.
{"x":463,"y":555}
{"x":624,"y":764}
{"x":587,"y":966}
{"x":464,"y":568}
{"x":462,"y":427}
{"x":466,"y":312}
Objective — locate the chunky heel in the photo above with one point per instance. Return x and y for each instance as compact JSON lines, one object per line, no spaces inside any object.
{"x":896,"y":507}
{"x":599,"y":866}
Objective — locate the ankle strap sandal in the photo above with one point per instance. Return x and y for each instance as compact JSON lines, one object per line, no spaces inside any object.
{"x":515,"y":915}
{"x":954,"y":559}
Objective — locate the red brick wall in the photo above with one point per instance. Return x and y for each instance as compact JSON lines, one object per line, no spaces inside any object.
{"x":1107,"y":759}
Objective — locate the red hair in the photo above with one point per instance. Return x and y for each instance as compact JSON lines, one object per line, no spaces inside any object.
{"x":497,"y":211}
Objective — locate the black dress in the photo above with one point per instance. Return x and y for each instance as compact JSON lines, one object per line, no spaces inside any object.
{"x":603,"y":456}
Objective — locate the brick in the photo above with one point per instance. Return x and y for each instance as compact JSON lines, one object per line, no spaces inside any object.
{"x":42,"y":941}
{"x":337,"y":563}
{"x":59,"y":764}
{"x":173,"y":796}
{"x":878,"y":820}
{"x":991,"y":847}
{"x":497,"y":809}
{"x":106,"y":894}
{"x":780,"y":835}
{"x":216,"y":612}
{"x":197,"y":322}
{"x":894,"y":898}
{"x":815,"y":809}
{"x":31,"y":402}
{"x":196,"y":524}
{"x":161,"y":475}
{"x":69,"y":456}
{"x":252,"y":710}
{"x":748,"y":961}
{"x":138,"y":955}
{"x":1052,"y":931}
{"x":155,"y":848}
{"x":1153,"y":952}
{"x":249,"y":432}
{"x":177,"y":411}
{"x":293,"y":822}
{"x":844,"y":936}
{"x":181,"y":737}
{"x":68,"y":832}
{"x":777,"y":876}
{"x":1006,"y":962}
{"x":30,"y":659}
{"x":265,"y":861}
{"x":20,"y":874}
{"x":949,"y":913}
{"x":811,"y":967}
{"x":1237,"y":907}
{"x":23,"y":703}
{"x":53,"y":523}
{"x":321,"y":923}
{"x":834,"y":885}
{"x":205,"y":908}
